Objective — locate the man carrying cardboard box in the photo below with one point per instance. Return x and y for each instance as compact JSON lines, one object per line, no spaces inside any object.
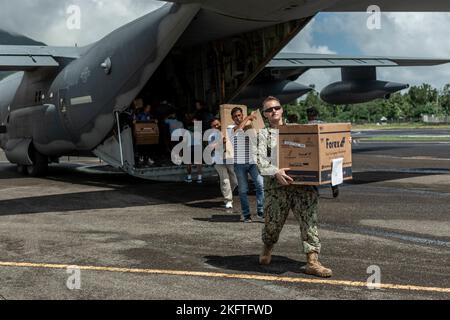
{"x":282,"y":196}
{"x":245,"y":164}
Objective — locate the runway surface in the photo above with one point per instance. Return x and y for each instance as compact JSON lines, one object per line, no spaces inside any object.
{"x":135,"y":239}
{"x":402,"y":132}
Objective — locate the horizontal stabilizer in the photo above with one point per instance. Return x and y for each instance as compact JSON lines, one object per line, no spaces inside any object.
{"x":26,"y":58}
{"x":25,"y":63}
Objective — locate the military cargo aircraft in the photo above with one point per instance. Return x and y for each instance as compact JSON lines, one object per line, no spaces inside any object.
{"x":69,"y":100}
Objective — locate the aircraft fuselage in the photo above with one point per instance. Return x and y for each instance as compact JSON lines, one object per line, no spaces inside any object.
{"x":72,"y":108}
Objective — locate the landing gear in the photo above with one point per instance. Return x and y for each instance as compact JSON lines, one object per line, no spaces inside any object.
{"x":335,"y":191}
{"x":22,"y":169}
{"x":39,"y":167}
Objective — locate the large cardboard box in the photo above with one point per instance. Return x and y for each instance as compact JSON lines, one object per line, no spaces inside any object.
{"x":146,"y":133}
{"x":309,"y":151}
{"x":225,"y":115}
{"x":227,"y":121}
{"x":258,"y":124}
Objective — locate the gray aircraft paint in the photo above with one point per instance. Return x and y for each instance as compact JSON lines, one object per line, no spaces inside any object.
{"x":81,"y":98}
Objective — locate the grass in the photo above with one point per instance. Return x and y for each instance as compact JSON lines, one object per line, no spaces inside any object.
{"x":394,"y":126}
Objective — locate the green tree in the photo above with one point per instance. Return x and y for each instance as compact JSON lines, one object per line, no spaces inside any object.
{"x":444,"y":100}
{"x":410,"y":106}
{"x":422,"y":99}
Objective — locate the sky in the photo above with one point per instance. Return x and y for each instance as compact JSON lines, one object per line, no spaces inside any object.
{"x":400,"y":34}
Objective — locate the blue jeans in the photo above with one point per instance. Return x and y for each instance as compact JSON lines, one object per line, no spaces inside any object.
{"x":242,"y":171}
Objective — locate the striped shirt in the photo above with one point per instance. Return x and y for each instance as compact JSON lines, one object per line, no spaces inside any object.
{"x":244,"y":147}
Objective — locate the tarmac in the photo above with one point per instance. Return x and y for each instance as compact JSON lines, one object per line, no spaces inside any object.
{"x":80,"y":234}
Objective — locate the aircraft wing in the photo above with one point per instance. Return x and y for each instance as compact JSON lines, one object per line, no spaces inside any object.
{"x":272,"y":9}
{"x":26,"y":58}
{"x":293,"y":65}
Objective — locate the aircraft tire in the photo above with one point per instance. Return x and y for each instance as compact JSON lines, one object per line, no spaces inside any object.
{"x":335,"y":192}
{"x":22,"y":169}
{"x":40,"y":165}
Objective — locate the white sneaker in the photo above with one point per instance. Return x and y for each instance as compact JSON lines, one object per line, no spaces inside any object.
{"x":229,"y":205}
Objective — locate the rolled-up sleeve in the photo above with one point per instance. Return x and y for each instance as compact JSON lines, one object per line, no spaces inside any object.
{"x":267,"y":153}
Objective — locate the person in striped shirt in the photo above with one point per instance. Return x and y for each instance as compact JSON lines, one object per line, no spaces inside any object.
{"x":245,"y":146}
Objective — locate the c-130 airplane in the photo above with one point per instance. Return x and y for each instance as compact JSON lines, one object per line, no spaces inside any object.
{"x":68,"y":100}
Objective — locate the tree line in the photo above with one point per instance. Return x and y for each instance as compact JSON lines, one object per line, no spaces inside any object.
{"x":400,"y":107}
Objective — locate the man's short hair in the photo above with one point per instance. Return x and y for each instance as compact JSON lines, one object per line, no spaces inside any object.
{"x":271,"y":98}
{"x":213,"y":120}
{"x":312,"y":111}
{"x":237,"y":109}
{"x":202,"y":103}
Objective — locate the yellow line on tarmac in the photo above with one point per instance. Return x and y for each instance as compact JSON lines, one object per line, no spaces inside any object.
{"x":224,"y":276}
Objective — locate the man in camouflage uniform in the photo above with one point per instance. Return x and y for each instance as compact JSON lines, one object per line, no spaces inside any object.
{"x":282,"y":196}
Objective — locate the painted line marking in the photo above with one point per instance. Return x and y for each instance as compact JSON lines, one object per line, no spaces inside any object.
{"x":225,"y":276}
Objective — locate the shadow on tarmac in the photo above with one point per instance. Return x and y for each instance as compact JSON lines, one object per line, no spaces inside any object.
{"x":125,"y":191}
{"x":372,"y":148}
{"x":380,"y":176}
{"x":221,"y":219}
{"x":280,"y":265}
{"x":206,"y":204}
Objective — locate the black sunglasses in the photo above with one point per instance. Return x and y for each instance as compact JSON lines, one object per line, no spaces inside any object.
{"x":272,"y":109}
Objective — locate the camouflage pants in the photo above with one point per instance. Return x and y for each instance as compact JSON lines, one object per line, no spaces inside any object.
{"x":303,"y":201}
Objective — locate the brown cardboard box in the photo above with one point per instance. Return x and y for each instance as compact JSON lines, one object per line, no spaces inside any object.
{"x":309,"y":151}
{"x":146,"y":133}
{"x":226,"y":121}
{"x":225,"y":115}
{"x":258,"y":124}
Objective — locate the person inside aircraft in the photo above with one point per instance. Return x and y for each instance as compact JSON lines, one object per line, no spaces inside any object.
{"x":196,"y":144}
{"x":143,"y":151}
{"x":161,"y":112}
{"x":127,"y":117}
{"x":202,"y":114}
{"x":144,"y":116}
{"x":172,"y":123}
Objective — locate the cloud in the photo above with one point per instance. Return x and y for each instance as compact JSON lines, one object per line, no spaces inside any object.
{"x":304,"y":43}
{"x":46,"y":20}
{"x":401,"y":34}
{"x":422,"y":35}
